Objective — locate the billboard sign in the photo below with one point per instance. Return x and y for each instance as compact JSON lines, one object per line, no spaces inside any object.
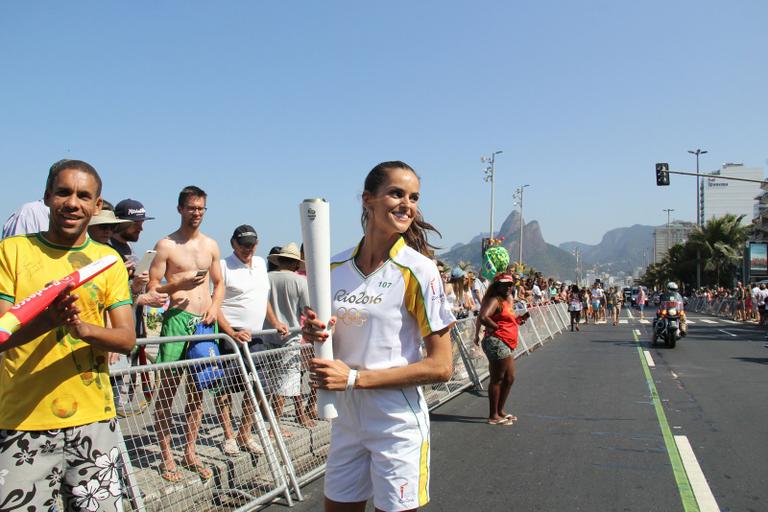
{"x":758,"y":259}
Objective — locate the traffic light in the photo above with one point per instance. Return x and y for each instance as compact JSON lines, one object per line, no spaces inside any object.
{"x":662,"y":174}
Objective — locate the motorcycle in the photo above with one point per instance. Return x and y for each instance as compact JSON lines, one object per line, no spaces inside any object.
{"x":666,"y":325}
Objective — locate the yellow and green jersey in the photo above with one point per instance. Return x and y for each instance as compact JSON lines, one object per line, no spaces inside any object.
{"x":56,"y":381}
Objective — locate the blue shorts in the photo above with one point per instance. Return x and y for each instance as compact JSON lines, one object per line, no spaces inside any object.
{"x":596,"y":304}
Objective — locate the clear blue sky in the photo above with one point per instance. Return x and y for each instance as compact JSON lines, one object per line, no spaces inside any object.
{"x":263,"y":104}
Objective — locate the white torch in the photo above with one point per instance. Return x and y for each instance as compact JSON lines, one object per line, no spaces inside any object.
{"x":316,"y":233}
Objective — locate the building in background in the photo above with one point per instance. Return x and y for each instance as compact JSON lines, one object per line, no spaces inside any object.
{"x":719,"y":197}
{"x":664,"y":239}
{"x":760,"y":216}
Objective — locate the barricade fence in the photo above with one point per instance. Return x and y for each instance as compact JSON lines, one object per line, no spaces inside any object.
{"x":724,"y":307}
{"x":236,"y":431}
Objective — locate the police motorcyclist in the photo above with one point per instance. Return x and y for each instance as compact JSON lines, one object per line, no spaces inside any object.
{"x":672,"y":295}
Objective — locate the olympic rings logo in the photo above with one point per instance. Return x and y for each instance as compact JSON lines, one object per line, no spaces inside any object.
{"x":352,"y":316}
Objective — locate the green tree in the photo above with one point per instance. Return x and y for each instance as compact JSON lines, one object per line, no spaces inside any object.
{"x":721,"y":244}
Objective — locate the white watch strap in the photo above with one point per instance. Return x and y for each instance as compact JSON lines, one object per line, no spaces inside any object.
{"x":351,"y":379}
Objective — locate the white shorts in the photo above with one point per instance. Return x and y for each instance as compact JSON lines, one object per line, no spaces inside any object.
{"x":380,"y":448}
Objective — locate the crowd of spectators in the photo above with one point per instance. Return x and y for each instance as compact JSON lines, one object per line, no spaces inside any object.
{"x":742,"y":302}
{"x":465,"y":290}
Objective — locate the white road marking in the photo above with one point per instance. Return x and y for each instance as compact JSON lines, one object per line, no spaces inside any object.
{"x":649,"y":359}
{"x":707,"y":321}
{"x":690,"y":322}
{"x":623,"y":321}
{"x":674,"y":375}
{"x":637,"y":332}
{"x":729,"y":321}
{"x":701,"y":490}
{"x":629,"y":313}
{"x":644,"y":321}
{"x":726,"y":332}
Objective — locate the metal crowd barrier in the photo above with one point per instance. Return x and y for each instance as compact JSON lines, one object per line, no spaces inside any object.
{"x":237,"y":483}
{"x":723,"y":307}
{"x":271,"y":387}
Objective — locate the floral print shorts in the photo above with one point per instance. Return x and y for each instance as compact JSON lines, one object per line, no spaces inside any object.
{"x":80,"y":464}
{"x":495,"y":349}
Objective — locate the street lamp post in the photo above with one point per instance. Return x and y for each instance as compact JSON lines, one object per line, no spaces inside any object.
{"x":490,"y":173}
{"x":699,"y":219}
{"x":519,"y":196}
{"x":668,"y":210}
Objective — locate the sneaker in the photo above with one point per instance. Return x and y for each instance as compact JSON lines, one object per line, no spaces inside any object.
{"x":229,"y":447}
{"x":253,"y":446}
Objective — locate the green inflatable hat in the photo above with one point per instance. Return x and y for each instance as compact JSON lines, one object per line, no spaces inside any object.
{"x":496,"y":260}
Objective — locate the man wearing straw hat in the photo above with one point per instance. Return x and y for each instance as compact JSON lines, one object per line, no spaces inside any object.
{"x":288,"y":296}
{"x":103,"y":225}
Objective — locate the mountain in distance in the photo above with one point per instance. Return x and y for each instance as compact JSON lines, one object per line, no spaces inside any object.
{"x":620,"y":250}
{"x":546,"y":258}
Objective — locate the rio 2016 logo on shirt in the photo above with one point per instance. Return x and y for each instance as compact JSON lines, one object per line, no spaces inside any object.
{"x":356,"y":298}
{"x":352,"y":316}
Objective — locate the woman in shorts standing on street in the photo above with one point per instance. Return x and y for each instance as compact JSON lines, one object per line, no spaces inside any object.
{"x":641,"y":300}
{"x":498,"y":317}
{"x":575,"y":306}
{"x":387,"y":297}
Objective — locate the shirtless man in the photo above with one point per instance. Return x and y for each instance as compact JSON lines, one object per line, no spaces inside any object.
{"x":189,"y":262}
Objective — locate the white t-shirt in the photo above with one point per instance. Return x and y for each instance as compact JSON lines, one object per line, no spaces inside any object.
{"x":30,"y":218}
{"x":382,"y":317}
{"x":762,"y":297}
{"x":246,"y":290}
{"x":478,"y":290}
{"x":597,"y":293}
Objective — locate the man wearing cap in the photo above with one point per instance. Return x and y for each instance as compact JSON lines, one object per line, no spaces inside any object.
{"x":288,"y":295}
{"x":133,"y":211}
{"x":242,"y":312}
{"x":132,"y":214}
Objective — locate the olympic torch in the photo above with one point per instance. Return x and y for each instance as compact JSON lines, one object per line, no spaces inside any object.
{"x":26,"y":310}
{"x":316,"y":233}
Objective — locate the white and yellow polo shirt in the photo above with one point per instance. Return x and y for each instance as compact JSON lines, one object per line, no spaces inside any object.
{"x":380,"y":441}
{"x":382,"y":317}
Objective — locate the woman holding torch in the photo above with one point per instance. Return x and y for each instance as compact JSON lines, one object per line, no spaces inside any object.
{"x":387,"y":297}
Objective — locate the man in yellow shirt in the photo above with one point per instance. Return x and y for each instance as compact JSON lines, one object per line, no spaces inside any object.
{"x":57,"y":417}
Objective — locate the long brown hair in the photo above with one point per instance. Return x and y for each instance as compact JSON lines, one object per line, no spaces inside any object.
{"x":416,"y":235}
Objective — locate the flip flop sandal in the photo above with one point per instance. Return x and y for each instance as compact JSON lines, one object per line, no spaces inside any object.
{"x":252,"y":446}
{"x":204,"y":472}
{"x":170,"y":475}
{"x":500,"y":421}
{"x":229,"y":447}
{"x":509,"y":418}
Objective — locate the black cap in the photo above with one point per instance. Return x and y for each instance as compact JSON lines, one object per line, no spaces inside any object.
{"x":245,"y":235}
{"x":131,"y":209}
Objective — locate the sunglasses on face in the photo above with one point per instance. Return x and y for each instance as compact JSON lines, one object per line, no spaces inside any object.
{"x":105,"y":227}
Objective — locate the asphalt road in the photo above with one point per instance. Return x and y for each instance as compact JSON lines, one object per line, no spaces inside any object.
{"x":589,"y":436}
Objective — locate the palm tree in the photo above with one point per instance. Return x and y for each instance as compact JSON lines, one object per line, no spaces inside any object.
{"x":655,"y":274}
{"x":721,"y":243}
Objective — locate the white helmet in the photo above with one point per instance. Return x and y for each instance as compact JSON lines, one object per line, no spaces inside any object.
{"x":672,"y":286}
